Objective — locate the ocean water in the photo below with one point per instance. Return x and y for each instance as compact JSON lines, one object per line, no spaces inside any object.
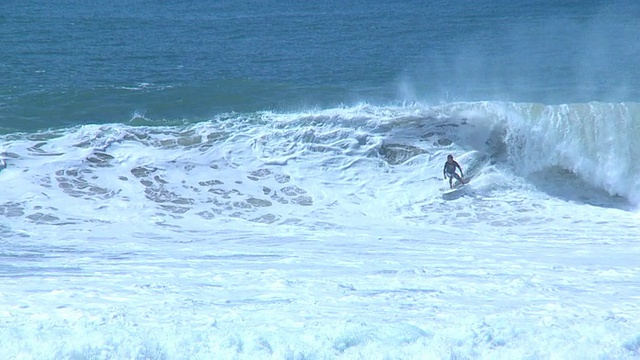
{"x":263,"y":180}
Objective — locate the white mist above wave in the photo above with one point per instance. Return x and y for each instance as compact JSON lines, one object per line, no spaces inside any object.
{"x":323,"y":235}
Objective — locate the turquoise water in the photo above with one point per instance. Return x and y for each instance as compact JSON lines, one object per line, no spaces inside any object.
{"x":76,"y":62}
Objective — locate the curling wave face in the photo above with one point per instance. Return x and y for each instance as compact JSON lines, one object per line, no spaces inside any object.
{"x":315,"y":167}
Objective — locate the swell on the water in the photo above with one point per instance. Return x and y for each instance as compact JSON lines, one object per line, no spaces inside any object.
{"x":319,"y":166}
{"x":587,"y":145}
{"x":594,"y":142}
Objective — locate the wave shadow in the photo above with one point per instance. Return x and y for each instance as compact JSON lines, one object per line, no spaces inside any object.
{"x":566,"y":185}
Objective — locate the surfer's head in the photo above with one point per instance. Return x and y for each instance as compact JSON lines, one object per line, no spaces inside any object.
{"x":450,"y":157}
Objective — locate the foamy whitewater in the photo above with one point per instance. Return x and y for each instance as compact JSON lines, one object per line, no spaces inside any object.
{"x":326,"y":234}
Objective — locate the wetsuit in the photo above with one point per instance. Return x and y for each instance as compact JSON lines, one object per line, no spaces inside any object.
{"x":450,"y":168}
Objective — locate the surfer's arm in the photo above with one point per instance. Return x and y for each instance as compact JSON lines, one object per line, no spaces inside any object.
{"x":459,"y":168}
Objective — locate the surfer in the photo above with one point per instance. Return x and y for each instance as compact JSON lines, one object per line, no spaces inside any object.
{"x":450,"y":171}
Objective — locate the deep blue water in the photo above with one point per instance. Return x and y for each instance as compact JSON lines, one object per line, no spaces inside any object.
{"x":78,"y":62}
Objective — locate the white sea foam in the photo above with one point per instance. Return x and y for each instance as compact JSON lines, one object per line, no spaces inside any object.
{"x":324,"y":235}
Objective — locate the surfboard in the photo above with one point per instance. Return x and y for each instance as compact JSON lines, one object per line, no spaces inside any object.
{"x":452,"y":194}
{"x":457,"y":191}
{"x":473,"y":162}
{"x":451,"y":191}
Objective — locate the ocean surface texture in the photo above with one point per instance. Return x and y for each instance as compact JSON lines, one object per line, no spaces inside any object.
{"x":263,"y":179}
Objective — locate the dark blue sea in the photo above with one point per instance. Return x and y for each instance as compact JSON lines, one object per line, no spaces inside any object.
{"x":77,"y":62}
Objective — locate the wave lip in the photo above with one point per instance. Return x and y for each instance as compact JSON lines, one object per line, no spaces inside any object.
{"x":593,"y":141}
{"x":323,"y":168}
